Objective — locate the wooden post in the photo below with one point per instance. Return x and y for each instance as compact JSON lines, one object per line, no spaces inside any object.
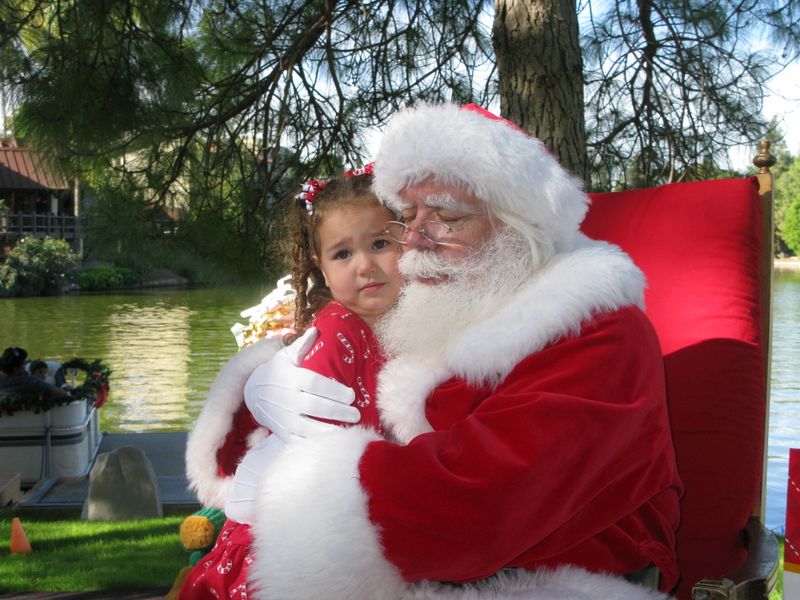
{"x":763,"y":161}
{"x":77,"y":243}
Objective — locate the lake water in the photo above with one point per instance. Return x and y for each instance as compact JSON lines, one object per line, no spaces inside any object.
{"x":784,"y":417}
{"x":166,"y":346}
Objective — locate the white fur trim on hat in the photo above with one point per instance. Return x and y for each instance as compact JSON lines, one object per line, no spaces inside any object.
{"x":208,"y":434}
{"x":312,"y":534}
{"x":502,"y":165}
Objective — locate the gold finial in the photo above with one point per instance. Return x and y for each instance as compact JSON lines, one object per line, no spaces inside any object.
{"x":764,"y":160}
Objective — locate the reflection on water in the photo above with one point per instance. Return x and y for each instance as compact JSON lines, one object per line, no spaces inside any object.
{"x":784,"y":418}
{"x":151,"y":346}
{"x":163,"y":346}
{"x":166,"y":346}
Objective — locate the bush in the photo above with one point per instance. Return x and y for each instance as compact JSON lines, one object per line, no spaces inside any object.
{"x":104,"y":278}
{"x":100,"y":278}
{"x":790,"y":230}
{"x":129,"y":276}
{"x":38,"y":268}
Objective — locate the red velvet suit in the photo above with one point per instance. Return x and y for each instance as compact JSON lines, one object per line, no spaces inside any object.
{"x":568,"y":460}
{"x":539,"y":437}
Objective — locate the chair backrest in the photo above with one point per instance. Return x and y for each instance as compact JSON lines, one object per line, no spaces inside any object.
{"x":702,"y":247}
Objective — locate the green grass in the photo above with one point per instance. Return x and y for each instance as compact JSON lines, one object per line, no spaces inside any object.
{"x":71,"y":555}
{"x":777,"y":593}
{"x":74,"y":555}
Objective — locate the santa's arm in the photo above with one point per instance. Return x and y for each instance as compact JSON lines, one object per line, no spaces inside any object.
{"x":563,"y":449}
{"x":225,"y":429}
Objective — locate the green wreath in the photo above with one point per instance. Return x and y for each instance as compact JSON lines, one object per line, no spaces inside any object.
{"x":94,"y":387}
{"x":96,"y":381}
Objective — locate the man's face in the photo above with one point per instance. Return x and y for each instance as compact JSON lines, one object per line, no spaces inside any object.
{"x":469,"y":225}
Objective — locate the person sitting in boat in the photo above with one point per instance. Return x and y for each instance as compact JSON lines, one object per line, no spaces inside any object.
{"x":15,"y":381}
{"x":38,"y":368}
{"x":51,"y":372}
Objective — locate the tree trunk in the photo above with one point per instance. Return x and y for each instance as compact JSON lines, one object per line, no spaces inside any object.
{"x":541,"y":74}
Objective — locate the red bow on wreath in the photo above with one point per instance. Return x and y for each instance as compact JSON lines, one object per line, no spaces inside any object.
{"x":102,"y":395}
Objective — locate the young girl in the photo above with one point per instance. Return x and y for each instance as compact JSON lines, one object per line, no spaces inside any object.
{"x":345,"y":275}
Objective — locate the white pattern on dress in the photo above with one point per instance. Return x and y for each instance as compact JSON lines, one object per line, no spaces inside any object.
{"x":367,"y":352}
{"x":317,"y":347}
{"x":226,"y":568}
{"x":364,"y":400}
{"x":350,"y":356}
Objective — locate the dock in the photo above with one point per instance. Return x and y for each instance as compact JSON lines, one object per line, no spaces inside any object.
{"x":166,"y":453}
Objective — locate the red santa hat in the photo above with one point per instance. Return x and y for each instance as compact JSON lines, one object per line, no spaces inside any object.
{"x":493,"y":158}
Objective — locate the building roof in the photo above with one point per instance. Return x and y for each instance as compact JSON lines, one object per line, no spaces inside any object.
{"x":23,"y":169}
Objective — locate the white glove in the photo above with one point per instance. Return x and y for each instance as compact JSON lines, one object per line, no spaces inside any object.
{"x":283,"y":396}
{"x":241,"y":503}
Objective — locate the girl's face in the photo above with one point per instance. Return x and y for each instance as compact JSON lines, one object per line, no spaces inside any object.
{"x":359,"y":260}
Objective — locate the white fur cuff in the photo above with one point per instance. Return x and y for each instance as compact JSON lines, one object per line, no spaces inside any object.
{"x":312,"y":536}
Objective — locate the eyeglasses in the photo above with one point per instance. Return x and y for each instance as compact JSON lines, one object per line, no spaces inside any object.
{"x":435,"y":231}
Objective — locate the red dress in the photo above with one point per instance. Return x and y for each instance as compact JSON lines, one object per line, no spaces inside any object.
{"x":347,"y":351}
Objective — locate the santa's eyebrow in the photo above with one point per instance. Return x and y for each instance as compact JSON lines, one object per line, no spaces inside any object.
{"x":447,"y":201}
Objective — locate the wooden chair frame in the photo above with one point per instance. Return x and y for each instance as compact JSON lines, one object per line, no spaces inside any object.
{"x":756,"y":577}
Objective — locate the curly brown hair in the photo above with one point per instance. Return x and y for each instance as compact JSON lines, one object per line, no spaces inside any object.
{"x":307,"y":278}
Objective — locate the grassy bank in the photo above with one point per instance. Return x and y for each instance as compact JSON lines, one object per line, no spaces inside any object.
{"x":777,"y":593}
{"x":71,"y":555}
{"x":74,"y":555}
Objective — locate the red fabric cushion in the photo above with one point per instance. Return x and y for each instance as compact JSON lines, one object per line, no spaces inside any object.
{"x":698,"y":245}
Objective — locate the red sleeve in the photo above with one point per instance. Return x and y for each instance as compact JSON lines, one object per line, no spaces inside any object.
{"x":571,"y":447}
{"x":234,"y":446}
{"x":337,"y":352}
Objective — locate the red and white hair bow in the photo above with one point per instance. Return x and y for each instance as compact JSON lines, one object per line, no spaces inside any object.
{"x":310,"y":189}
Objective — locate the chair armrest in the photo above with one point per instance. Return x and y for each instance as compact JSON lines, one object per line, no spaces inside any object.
{"x":755,"y":578}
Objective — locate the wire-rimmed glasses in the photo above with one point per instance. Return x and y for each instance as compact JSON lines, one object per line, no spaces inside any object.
{"x":436,"y":231}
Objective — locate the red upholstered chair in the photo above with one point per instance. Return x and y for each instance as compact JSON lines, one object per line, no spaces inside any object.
{"x":706,"y":250}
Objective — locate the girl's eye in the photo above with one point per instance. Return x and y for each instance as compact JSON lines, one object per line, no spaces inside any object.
{"x":381,"y":244}
{"x":342,"y":255}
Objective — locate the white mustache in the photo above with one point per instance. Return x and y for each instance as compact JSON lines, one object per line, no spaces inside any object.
{"x":424,"y":264}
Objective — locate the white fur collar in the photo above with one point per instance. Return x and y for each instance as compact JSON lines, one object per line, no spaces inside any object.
{"x":572,"y":288}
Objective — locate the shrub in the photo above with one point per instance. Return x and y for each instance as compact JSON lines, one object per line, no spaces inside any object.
{"x":104,"y":278}
{"x":790,"y":229}
{"x":99,"y":278}
{"x":129,"y":276}
{"x":38,"y":267}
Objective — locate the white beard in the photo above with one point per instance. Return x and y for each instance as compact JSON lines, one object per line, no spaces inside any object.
{"x":427,"y":317}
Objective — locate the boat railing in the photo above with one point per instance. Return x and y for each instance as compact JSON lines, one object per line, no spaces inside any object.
{"x":62,"y":441}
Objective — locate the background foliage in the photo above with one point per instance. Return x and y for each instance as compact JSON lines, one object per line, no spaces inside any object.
{"x":37,"y":267}
{"x":219,"y":108}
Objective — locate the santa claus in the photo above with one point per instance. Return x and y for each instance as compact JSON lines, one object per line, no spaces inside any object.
{"x":528,"y":451}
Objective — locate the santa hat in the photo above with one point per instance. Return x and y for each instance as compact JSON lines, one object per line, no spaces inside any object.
{"x":490,"y":156}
